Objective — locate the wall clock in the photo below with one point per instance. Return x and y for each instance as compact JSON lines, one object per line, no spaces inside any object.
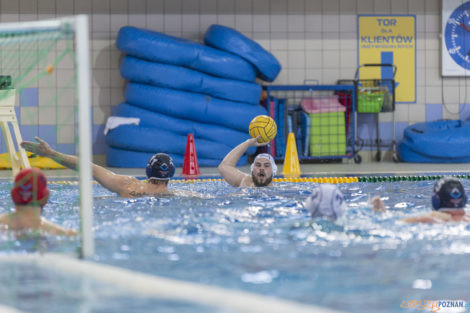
{"x":455,"y":38}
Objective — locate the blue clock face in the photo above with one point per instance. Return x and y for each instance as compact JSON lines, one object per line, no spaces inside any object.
{"x":457,"y":35}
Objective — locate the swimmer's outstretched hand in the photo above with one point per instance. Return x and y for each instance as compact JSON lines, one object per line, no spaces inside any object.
{"x":254,"y":142}
{"x":40,"y":147}
{"x":377,"y":204}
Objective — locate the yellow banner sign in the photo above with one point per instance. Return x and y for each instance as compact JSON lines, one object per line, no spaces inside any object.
{"x":385,"y":39}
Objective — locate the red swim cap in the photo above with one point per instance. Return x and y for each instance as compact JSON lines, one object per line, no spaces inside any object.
{"x":30,"y":188}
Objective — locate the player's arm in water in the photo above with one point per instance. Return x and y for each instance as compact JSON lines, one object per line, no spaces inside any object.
{"x":430,"y":218}
{"x":55,"y":229}
{"x":228,"y":167}
{"x":113,"y":182}
{"x":377,"y":205}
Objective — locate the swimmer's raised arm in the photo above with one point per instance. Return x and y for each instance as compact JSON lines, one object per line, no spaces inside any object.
{"x":113,"y":182}
{"x":227,"y":168}
{"x":42,"y":148}
{"x":159,"y":170}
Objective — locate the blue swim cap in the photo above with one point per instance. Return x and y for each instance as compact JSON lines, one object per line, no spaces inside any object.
{"x":326,"y":200}
{"x":160,"y":167}
{"x":448,"y":193}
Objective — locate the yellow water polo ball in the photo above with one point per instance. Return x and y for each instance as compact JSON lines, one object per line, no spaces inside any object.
{"x":263,"y":126}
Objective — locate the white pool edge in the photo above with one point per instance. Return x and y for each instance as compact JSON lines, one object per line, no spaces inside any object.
{"x":165,"y":288}
{"x":9,"y":309}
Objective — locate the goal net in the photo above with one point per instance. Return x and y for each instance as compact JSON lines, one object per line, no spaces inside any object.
{"x":45,"y":92}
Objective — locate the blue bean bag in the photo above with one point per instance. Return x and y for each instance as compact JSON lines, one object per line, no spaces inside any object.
{"x":135,"y":159}
{"x":178,"y":77}
{"x":220,"y":134}
{"x":444,"y":141}
{"x":155,"y":46}
{"x":230,"y":40}
{"x":193,"y":106}
{"x":154,"y":140}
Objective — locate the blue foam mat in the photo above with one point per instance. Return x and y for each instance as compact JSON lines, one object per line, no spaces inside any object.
{"x":154,"y":140}
{"x":408,"y":154}
{"x":134,"y":159}
{"x":228,"y":39}
{"x":220,"y":134}
{"x":181,"y":78}
{"x":193,"y":106}
{"x":159,"y":47}
{"x":440,"y":139}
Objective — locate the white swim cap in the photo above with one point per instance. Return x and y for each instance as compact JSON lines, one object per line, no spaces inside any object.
{"x":325,"y":201}
{"x":265,"y":156}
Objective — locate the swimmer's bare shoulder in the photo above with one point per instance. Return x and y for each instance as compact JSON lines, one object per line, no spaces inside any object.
{"x":133,"y":188}
{"x":466,"y":218}
{"x":247,"y":181}
{"x":5,"y":220}
{"x":3,"y":217}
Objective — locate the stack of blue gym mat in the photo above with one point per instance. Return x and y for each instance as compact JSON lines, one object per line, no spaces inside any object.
{"x":177,"y":87}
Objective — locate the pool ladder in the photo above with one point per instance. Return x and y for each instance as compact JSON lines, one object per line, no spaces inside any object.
{"x":8,"y":115}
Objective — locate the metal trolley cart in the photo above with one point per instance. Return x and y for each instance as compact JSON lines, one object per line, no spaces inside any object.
{"x":322,"y":118}
{"x":377,"y":96}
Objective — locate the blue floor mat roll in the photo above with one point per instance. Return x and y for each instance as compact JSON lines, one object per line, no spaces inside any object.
{"x":230,"y":40}
{"x":407,"y":154}
{"x":181,"y":78}
{"x":443,"y":141}
{"x":154,"y":140}
{"x":193,"y":106}
{"x":227,"y":136}
{"x":134,"y":159}
{"x":443,"y":138}
{"x":155,"y":46}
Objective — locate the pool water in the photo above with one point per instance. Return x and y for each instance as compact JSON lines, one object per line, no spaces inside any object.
{"x":263,"y":241}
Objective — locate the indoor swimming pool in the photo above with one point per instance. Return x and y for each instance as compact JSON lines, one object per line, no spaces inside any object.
{"x":255,"y":240}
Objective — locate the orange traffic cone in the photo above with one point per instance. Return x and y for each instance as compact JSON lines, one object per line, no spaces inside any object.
{"x":291,"y":166}
{"x":190,"y":164}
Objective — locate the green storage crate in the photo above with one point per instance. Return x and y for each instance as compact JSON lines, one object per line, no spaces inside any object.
{"x":327,"y":134}
{"x":370,"y":100}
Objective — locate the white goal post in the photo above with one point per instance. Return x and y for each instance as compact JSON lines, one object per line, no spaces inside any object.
{"x":79,"y":26}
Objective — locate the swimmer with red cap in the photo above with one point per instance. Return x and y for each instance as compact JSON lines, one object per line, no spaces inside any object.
{"x":159,"y":170}
{"x":30,"y":194}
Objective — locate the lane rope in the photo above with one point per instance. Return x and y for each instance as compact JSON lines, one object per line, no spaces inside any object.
{"x":319,"y":180}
